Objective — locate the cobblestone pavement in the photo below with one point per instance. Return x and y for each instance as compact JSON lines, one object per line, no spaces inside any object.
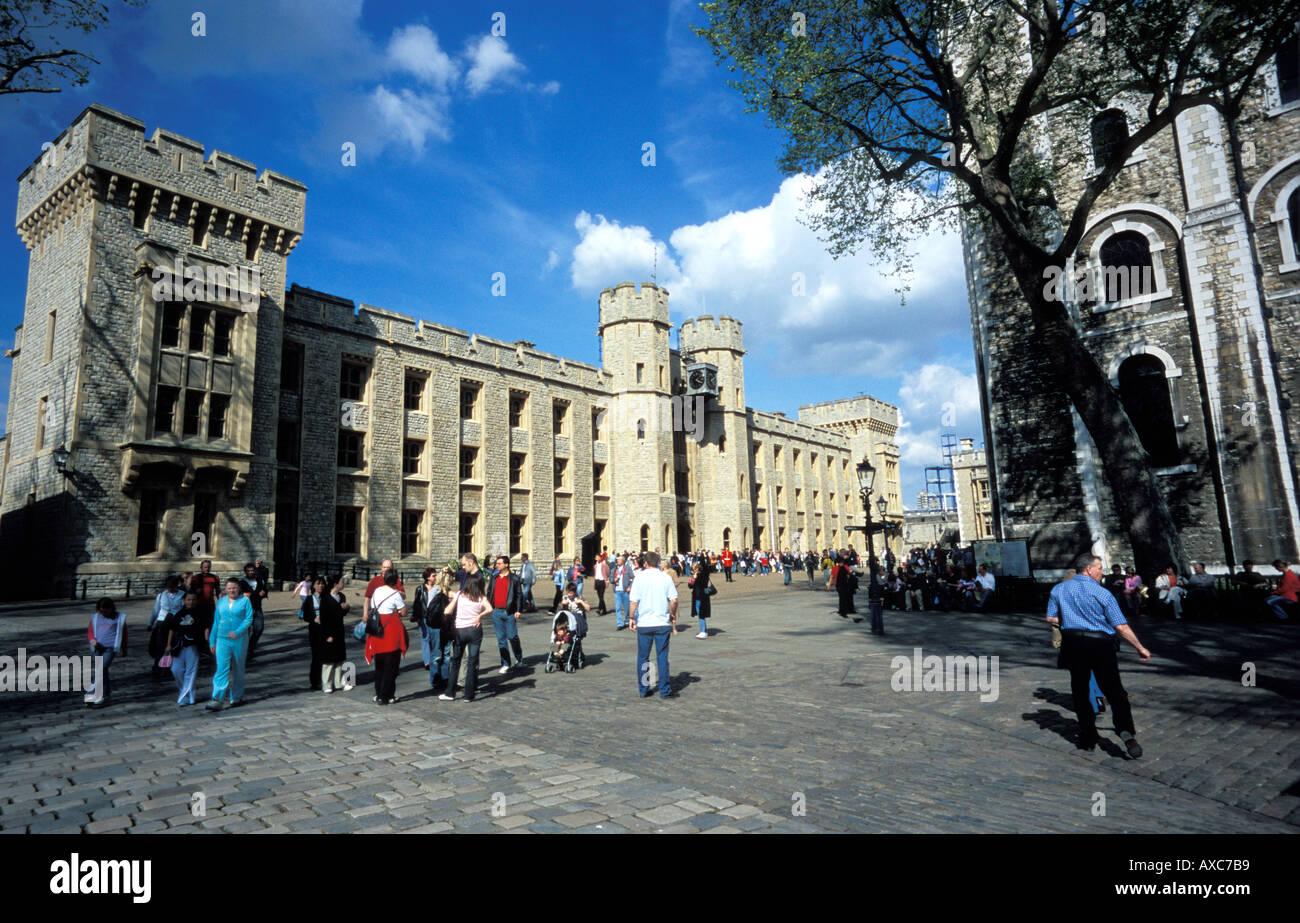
{"x":786,"y":721}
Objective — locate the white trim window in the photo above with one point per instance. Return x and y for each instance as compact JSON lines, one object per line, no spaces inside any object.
{"x":1286,"y":218}
{"x":1127,"y":267}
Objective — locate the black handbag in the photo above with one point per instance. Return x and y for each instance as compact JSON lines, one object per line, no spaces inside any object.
{"x":710,"y":590}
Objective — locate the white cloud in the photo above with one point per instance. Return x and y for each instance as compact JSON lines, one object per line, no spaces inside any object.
{"x":934,"y":399}
{"x":609,"y":253}
{"x":409,"y":117}
{"x":804,"y":310}
{"x":490,"y":60}
{"x":415,"y":50}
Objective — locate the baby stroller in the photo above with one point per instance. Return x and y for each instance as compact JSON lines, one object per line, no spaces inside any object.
{"x":572,"y":659}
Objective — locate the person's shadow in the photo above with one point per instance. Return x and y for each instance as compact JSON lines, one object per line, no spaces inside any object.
{"x":1066,"y":726}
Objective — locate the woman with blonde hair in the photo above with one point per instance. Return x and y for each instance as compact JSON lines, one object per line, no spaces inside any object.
{"x":468,"y":607}
{"x":439,"y":626}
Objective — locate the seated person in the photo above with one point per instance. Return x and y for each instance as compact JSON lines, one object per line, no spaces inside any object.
{"x":981,"y":589}
{"x":1202,"y":596}
{"x":1170,"y":587}
{"x":1283,"y":600}
{"x":563,"y":642}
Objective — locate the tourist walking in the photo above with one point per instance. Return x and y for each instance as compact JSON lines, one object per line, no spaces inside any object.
{"x":333,"y":651}
{"x":170,"y":599}
{"x":557,"y":578}
{"x":846,"y":584}
{"x":701,"y":590}
{"x":228,"y":638}
{"x":468,"y":605}
{"x":205,"y":586}
{"x":622,"y":577}
{"x":527,"y":577}
{"x":255,"y":589}
{"x":386,"y":648}
{"x":107,"y":636}
{"x":602,"y":577}
{"x":184,"y":643}
{"x":1089,"y":619}
{"x":506,"y":595}
{"x":654,"y":619}
{"x":430,"y":634}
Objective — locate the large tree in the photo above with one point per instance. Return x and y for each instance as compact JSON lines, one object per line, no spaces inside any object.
{"x":919,"y":113}
{"x":34,"y":35}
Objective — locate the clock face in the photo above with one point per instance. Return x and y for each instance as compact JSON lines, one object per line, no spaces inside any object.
{"x":713,"y":380}
{"x":697,"y":379}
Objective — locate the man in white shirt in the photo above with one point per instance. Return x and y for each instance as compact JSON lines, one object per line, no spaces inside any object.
{"x":654,"y":619}
{"x":983,"y":592}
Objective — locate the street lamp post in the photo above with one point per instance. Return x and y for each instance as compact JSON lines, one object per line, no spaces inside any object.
{"x":867,"y":477}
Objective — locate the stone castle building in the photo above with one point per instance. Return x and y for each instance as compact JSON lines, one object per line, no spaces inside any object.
{"x":1204,"y":221}
{"x":158,"y":415}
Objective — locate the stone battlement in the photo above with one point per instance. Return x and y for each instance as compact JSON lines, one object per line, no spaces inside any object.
{"x":849,"y":408}
{"x":624,"y":302}
{"x":365,"y":321}
{"x":112,"y":149}
{"x":707,"y":332}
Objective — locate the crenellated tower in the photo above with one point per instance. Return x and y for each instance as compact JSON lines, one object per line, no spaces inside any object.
{"x":638,"y":422}
{"x":723,"y":488}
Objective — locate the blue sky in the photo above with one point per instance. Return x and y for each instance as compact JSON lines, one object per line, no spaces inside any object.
{"x":523,"y":153}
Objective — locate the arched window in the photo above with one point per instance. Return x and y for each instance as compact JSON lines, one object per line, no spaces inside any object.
{"x":722,"y":443}
{"x":742,"y":488}
{"x":726,"y":538}
{"x":640,"y":429}
{"x":663,"y":479}
{"x":1293,"y":218}
{"x":1144,"y":392}
{"x":1126,"y":268}
{"x":668,"y":540}
{"x":645,"y":538}
{"x":1288,"y":71}
{"x":1109,"y":134}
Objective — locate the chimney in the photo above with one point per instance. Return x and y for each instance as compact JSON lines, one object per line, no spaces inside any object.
{"x":968,"y":444}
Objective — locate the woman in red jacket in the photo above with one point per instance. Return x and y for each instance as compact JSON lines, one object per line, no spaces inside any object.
{"x":387,"y":648}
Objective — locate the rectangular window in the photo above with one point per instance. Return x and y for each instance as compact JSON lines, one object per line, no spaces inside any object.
{"x":468,"y":463}
{"x":412,"y":452}
{"x":518,"y":409}
{"x":49,"y":335}
{"x":411,"y":521}
{"x":776,"y":455}
{"x":350,"y":454}
{"x":173,"y":317}
{"x":149,"y":532}
{"x":42,"y":412}
{"x":291,"y":368}
{"x":164,"y":415}
{"x":597,"y":477}
{"x":199,"y":233}
{"x":561,"y":535}
{"x":205,"y":517}
{"x":222,"y":328}
{"x":640,"y":372}
{"x":193,"y":412}
{"x":597,"y":421}
{"x":198,"y":328}
{"x":466,"y":537}
{"x":413,"y":391}
{"x":220,"y":405}
{"x":517,"y":462}
{"x":352,"y":381}
{"x":347,"y":530}
{"x":559,"y":414}
{"x":517,"y":525}
{"x":469,"y":391}
{"x":141,"y":209}
{"x":287,"y":443}
{"x":561,"y":473}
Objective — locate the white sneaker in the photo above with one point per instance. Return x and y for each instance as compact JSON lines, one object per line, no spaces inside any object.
{"x":446,"y":698}
{"x":503,"y":671}
{"x":328,"y":691}
{"x":703,"y":634}
{"x":348,"y":688}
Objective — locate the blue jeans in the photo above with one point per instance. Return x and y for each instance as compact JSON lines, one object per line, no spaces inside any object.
{"x":465,"y":644}
{"x":185,"y":667}
{"x":507,"y":631}
{"x":704,"y":628}
{"x":786,"y":571}
{"x":528,"y":597}
{"x":1094,"y":691}
{"x":93,"y":694}
{"x":255,"y":632}
{"x":229,"y":679}
{"x":622,"y":600}
{"x":659,"y":637}
{"x":1275,"y":603}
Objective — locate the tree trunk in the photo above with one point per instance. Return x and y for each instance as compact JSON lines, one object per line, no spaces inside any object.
{"x":1138,"y":496}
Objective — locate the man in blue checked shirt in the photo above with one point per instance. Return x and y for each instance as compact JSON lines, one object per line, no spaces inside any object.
{"x":1089,"y":619}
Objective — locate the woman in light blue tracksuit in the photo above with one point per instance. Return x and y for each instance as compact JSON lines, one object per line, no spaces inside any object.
{"x":229,"y":641}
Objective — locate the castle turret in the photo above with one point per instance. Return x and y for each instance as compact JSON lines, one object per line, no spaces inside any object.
{"x":638,"y":424}
{"x":724,"y":509}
